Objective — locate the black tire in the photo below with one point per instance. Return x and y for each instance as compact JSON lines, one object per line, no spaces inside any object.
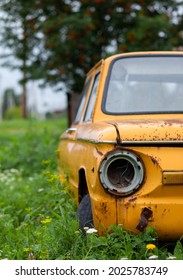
{"x":84,"y":213}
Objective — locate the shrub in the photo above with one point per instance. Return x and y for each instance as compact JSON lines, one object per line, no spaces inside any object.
{"x":13,"y":113}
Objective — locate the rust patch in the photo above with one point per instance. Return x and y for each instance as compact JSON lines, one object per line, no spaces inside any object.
{"x":145,"y":215}
{"x":118,"y":138}
{"x":154,"y":160}
{"x":173,"y":122}
{"x":100,"y":153}
{"x":103,"y":207}
{"x":132,"y":199}
{"x":101,"y":210}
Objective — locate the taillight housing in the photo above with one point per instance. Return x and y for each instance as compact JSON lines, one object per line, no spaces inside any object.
{"x":121,"y":172}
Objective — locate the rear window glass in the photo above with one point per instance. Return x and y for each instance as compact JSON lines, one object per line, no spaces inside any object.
{"x":145,"y":85}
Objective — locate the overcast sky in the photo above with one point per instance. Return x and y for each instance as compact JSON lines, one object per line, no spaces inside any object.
{"x":9,"y":79}
{"x":46,"y":99}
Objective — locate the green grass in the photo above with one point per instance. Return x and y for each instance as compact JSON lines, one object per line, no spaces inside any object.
{"x":37,"y":214}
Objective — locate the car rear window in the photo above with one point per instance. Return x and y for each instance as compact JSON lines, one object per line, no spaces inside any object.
{"x":145,"y":84}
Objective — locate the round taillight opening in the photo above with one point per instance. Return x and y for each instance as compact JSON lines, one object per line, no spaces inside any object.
{"x":121,"y":172}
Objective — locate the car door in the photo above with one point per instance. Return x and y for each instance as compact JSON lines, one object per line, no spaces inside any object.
{"x":67,"y":156}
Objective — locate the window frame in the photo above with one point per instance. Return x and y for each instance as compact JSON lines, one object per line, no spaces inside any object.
{"x":81,"y":107}
{"x":91,"y":102}
{"x":133,"y":113}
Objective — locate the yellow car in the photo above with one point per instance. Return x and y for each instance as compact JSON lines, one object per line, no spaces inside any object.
{"x":123,"y":155}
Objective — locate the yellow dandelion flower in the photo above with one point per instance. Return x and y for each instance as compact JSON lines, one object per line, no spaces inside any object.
{"x":38,"y":233}
{"x":27,"y":249}
{"x":28,"y":209}
{"x":62,"y":179}
{"x":46,"y":161}
{"x":86,"y":228}
{"x":25,"y":224}
{"x":150,"y":246}
{"x":47,"y":220}
{"x":46,"y":173}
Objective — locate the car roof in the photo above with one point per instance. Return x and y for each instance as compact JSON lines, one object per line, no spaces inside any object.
{"x":130,"y":54}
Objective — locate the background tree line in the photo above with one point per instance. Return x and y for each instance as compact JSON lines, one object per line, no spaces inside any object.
{"x":58,"y":41}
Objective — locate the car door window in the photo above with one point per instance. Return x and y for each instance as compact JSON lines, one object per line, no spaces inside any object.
{"x":91,"y":102}
{"x":82,"y":103}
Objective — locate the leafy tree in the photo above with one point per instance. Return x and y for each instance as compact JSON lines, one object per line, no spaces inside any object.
{"x":178,"y":40}
{"x":60,"y":40}
{"x":78,"y":33}
{"x":20,"y":39}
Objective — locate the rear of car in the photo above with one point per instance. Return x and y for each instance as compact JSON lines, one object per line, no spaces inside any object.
{"x":127,"y":152}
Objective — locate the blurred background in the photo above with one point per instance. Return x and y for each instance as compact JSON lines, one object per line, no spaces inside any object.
{"x":47,"y":46}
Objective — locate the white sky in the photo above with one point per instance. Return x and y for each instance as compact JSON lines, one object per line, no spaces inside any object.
{"x":44,"y":97}
{"x":9,"y":79}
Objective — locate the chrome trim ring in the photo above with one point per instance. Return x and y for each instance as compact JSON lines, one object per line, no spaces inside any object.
{"x":121,"y":173}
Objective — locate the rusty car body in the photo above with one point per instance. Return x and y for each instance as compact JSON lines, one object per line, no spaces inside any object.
{"x":123,"y":155}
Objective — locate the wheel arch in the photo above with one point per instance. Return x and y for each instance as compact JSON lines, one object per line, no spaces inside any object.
{"x":82,"y":185}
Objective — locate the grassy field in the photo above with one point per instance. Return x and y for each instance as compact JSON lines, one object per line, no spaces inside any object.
{"x":37,"y":214}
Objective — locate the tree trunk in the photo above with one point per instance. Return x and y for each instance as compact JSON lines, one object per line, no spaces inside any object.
{"x":24,"y":101}
{"x":24,"y":68}
{"x":69,"y":109}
